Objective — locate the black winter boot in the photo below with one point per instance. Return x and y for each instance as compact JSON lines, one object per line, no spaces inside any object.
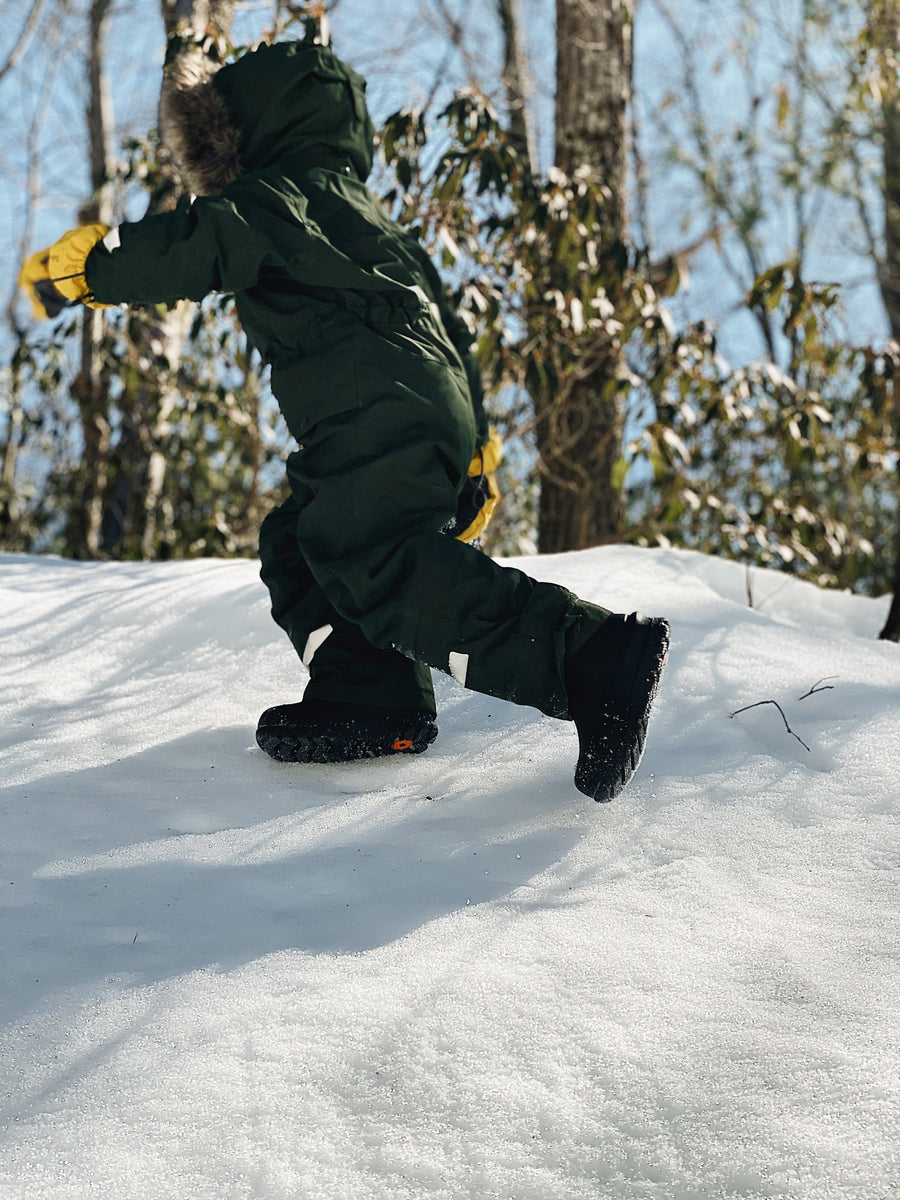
{"x":611,"y":682}
{"x":326,"y":731}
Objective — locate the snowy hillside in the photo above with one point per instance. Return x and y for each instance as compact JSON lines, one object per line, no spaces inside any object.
{"x":451,"y":975}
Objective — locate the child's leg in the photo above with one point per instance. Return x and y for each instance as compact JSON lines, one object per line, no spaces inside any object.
{"x":343,"y":665}
{"x":373,"y":489}
{"x":360,"y":701}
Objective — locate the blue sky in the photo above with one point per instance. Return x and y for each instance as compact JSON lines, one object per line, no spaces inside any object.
{"x":405,"y":58}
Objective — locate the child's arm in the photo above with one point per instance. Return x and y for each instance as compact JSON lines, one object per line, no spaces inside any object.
{"x":180,"y":255}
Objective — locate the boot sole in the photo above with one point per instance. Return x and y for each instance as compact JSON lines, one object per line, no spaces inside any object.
{"x":345,"y":742}
{"x":606,"y":765}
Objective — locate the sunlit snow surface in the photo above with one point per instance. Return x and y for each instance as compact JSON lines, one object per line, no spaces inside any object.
{"x":449,"y":975}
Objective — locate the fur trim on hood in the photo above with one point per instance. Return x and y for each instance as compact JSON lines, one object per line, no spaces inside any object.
{"x":196,"y":126}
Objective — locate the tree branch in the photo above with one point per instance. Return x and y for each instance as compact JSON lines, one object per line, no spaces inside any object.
{"x":27,"y":29}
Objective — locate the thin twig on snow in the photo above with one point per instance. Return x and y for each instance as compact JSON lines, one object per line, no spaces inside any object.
{"x":817,"y":687}
{"x":783,"y":717}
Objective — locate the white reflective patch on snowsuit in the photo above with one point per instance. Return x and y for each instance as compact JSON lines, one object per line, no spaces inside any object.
{"x":459,"y":667}
{"x":314,"y":641}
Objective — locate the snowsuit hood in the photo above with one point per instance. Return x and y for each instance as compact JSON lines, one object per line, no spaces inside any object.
{"x":345,"y":306}
{"x":290,"y":101}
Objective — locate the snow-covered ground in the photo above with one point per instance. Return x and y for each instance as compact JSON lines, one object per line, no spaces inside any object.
{"x":449,"y":975}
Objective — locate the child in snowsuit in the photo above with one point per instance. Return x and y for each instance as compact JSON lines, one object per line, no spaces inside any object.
{"x":373,"y":373}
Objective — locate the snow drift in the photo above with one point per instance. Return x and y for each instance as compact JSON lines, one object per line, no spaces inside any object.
{"x":450,"y":975}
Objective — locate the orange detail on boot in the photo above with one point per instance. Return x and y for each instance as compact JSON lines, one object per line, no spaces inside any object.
{"x":402,"y":744}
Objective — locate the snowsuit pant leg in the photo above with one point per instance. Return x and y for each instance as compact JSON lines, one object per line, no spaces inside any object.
{"x":373,"y":487}
{"x":343,"y":665}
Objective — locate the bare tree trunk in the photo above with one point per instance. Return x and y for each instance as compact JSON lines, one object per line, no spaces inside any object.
{"x":593,"y":89}
{"x":515,"y":84}
{"x":885,"y":25}
{"x":580,"y":432}
{"x":9,"y":451}
{"x":202,"y":16}
{"x":135,"y":506}
{"x":891,"y":630}
{"x":89,"y":389}
{"x":11,"y":512}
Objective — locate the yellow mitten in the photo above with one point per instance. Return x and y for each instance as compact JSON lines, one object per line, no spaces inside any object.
{"x":480,"y":492}
{"x":35,"y":281}
{"x":67,"y":259}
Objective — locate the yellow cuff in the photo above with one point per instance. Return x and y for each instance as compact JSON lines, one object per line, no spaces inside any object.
{"x":67,"y":259}
{"x":478,"y":526}
{"x":485,"y":462}
{"x":487,"y":458}
{"x":35,"y":270}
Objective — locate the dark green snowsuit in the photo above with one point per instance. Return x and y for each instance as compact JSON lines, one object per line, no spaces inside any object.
{"x":373,"y":374}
